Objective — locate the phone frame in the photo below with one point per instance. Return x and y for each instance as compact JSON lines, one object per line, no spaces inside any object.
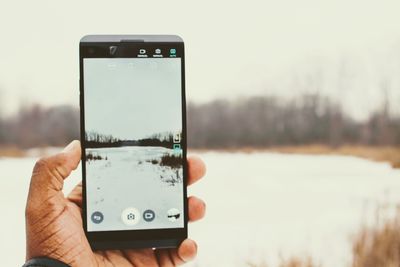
{"x":98,"y":46}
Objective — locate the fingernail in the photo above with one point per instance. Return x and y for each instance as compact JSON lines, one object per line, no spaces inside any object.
{"x":204,"y":205}
{"x":191,"y":254}
{"x":71,"y":146}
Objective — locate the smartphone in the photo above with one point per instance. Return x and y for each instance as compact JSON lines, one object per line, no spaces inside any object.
{"x":133,"y":136}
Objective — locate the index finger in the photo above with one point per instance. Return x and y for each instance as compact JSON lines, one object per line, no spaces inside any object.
{"x":76,"y":195}
{"x":196,"y":169}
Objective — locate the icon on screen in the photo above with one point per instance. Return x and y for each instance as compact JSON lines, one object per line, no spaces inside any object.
{"x":172,"y":51}
{"x":148,"y":215}
{"x":158,"y":51}
{"x":177,"y":138}
{"x":130,"y":216}
{"x":173,"y":214}
{"x":177,"y":147}
{"x":97,"y":217}
{"x":142,"y":51}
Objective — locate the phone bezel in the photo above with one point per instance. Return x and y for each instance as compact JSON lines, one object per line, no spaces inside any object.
{"x":155,"y":238}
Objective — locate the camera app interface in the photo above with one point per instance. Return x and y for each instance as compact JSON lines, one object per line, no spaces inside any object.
{"x":133,"y":131}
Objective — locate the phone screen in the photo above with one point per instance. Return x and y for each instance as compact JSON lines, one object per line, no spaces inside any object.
{"x":133,"y":152}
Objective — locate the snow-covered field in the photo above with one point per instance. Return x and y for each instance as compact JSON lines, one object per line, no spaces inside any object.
{"x":125,"y":177}
{"x":259,"y":206}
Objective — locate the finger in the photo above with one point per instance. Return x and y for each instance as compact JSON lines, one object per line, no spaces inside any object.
{"x":49,"y":173}
{"x":197,"y":208}
{"x":164,"y":259}
{"x":75,"y":195}
{"x":117,"y":258}
{"x":141,"y":257}
{"x":184,"y":253}
{"x":197,"y":169}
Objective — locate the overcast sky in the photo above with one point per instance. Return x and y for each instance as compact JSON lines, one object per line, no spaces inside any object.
{"x":233,"y":48}
{"x":133,"y":98}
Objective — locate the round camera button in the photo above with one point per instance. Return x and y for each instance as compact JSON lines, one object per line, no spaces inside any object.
{"x":130,"y":216}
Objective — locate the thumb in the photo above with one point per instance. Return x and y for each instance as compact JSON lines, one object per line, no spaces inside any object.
{"x":49,"y":172}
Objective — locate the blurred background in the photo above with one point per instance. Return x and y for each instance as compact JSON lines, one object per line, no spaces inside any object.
{"x":293,"y":105}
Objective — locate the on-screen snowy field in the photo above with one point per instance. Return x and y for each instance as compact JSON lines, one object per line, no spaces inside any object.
{"x":125,"y":177}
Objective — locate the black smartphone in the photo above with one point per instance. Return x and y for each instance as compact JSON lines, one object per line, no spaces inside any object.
{"x":133,"y":136}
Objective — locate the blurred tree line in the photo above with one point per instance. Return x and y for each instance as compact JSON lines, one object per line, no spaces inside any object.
{"x":249,"y":122}
{"x":36,"y":126}
{"x":268,"y":121}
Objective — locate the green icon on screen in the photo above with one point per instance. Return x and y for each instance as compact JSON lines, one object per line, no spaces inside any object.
{"x":172,"y":51}
{"x":177,"y":147}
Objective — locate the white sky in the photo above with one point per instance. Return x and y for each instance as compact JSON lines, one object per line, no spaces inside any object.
{"x":133,"y":98}
{"x":233,"y":48}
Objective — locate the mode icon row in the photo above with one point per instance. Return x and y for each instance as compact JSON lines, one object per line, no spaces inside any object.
{"x":131,"y":216}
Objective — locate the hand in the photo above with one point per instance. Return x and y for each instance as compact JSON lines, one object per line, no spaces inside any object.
{"x":54,"y":222}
